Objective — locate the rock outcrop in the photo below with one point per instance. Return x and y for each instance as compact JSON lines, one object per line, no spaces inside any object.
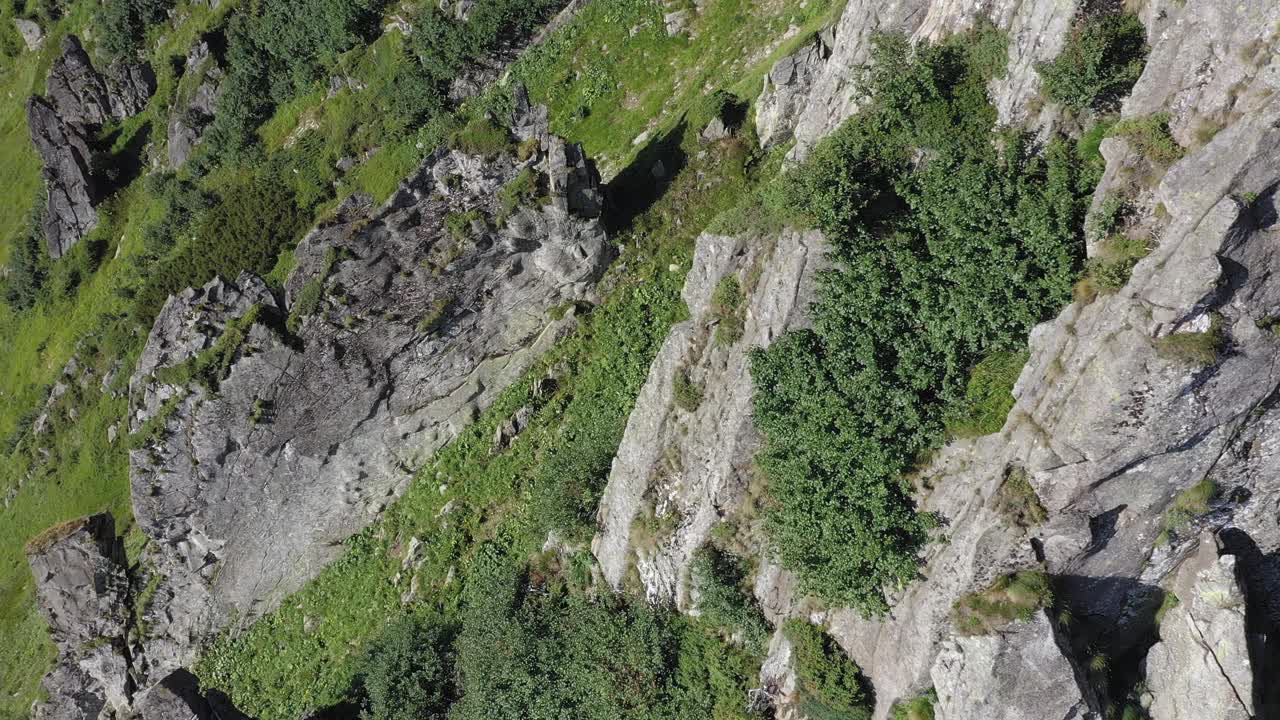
{"x":787,"y":88}
{"x":1019,"y":673}
{"x":405,"y":322}
{"x":82,"y":95}
{"x":83,"y":591}
{"x":78,"y":101}
{"x":198,"y":94}
{"x":70,"y":189}
{"x":1201,"y":666}
{"x":690,"y":467}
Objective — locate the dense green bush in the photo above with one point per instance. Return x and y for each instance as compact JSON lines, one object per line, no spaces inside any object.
{"x":407,"y":674}
{"x":1103,"y":58}
{"x":718,"y":579}
{"x":121,"y":25}
{"x":830,"y":685}
{"x":244,"y":231}
{"x":939,"y":264}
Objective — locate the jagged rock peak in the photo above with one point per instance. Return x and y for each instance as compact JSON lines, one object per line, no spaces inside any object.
{"x":70,"y":189}
{"x":81,"y":94}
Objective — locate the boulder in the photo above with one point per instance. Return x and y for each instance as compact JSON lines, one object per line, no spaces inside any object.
{"x":1019,"y":673}
{"x":31,"y":33}
{"x":786,"y":89}
{"x":1201,"y":668}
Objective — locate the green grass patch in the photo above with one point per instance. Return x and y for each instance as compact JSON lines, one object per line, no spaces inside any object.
{"x":988,"y":398}
{"x":1149,"y":135}
{"x":1012,"y":597}
{"x":1017,"y":500}
{"x":918,"y":708}
{"x":1197,"y":349}
{"x":1185,"y":508}
{"x":830,"y":684}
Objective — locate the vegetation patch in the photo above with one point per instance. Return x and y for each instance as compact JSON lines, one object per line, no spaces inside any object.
{"x":723,"y":600}
{"x":1150,"y":137}
{"x":686,"y":393}
{"x":482,"y":137}
{"x":1185,"y":508}
{"x":1111,"y":266}
{"x":988,"y":398}
{"x":830,"y":684}
{"x":458,"y":224}
{"x":728,"y":310}
{"x":1101,"y":61}
{"x":210,"y":367}
{"x":1197,"y":349}
{"x":918,"y":708}
{"x":939,"y":264}
{"x":1017,"y":500}
{"x":1012,"y":597}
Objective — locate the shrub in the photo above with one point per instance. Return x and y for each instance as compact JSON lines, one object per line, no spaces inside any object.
{"x":1012,"y":597}
{"x":121,"y":25}
{"x":458,"y":224}
{"x":1110,"y":214}
{"x":1198,"y":349}
{"x":306,"y":304}
{"x":686,"y":393}
{"x":1101,"y":61}
{"x":1017,"y":500}
{"x":435,"y":315}
{"x":210,"y":367}
{"x":407,"y":673}
{"x":722,"y":602}
{"x":727,"y":310}
{"x":830,"y":685}
{"x":988,"y":397}
{"x":1150,"y":136}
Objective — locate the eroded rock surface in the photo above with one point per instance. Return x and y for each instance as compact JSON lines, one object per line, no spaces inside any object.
{"x":1201,"y":666}
{"x":1019,"y":673}
{"x":82,"y":590}
{"x":403,"y":331}
{"x":83,"y":95}
{"x":71,"y":191}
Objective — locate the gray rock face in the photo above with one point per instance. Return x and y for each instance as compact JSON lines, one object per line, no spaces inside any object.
{"x":1017,"y":674}
{"x":404,"y":333}
{"x":1201,"y":667}
{"x":690,"y":468}
{"x":85,"y":96}
{"x":71,"y":191}
{"x":786,"y":90}
{"x":201,"y":87}
{"x":177,"y":697}
{"x":83,"y":590}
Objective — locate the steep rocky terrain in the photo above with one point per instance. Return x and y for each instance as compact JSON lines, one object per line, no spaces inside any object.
{"x":1109,"y":429}
{"x":1111,"y":551}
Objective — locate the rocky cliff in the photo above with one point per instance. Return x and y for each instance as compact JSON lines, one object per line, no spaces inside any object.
{"x":276,"y":427}
{"x":1111,"y":427}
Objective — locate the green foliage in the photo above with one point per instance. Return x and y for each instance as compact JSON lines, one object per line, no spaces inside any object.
{"x":1103,"y":58}
{"x":830,"y":685}
{"x":1110,"y":214}
{"x":307,"y":302}
{"x":727,"y":311}
{"x":1198,"y":349}
{"x":1111,"y":266}
{"x":988,"y":398}
{"x":481,"y":136}
{"x":407,"y":673}
{"x":121,"y":25}
{"x":459,"y":224}
{"x":210,"y":367}
{"x":722,"y":602}
{"x":686,"y":393}
{"x":918,"y":708}
{"x":1189,"y":505}
{"x":1167,"y":603}
{"x":1017,"y":500}
{"x":519,"y":190}
{"x":1012,"y":597}
{"x":245,"y":231}
{"x":939,"y":264}
{"x":1150,"y":136}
